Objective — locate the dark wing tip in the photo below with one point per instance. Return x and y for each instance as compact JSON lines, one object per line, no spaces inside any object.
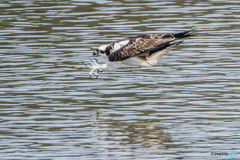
{"x":185,"y":34}
{"x":163,"y":46}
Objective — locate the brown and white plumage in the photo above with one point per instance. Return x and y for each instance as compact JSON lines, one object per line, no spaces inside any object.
{"x":142,"y":50}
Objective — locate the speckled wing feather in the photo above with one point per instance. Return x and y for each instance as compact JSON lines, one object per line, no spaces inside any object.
{"x":139,"y":45}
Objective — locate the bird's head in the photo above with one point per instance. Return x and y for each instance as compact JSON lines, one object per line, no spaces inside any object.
{"x":100,"y":51}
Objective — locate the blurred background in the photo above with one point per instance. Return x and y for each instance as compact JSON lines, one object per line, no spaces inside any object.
{"x":185,"y":107}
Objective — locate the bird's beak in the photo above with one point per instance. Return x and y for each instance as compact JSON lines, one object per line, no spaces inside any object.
{"x":95,"y":53}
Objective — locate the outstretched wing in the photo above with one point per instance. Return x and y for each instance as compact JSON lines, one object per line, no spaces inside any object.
{"x":139,"y":45}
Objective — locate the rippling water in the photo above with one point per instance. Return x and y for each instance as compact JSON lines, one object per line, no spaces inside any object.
{"x":185,"y":107}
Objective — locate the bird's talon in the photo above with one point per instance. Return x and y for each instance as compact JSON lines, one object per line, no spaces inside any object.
{"x":96,"y":69}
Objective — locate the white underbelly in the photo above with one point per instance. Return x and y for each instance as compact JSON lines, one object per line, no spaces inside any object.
{"x":135,"y":61}
{"x":152,"y":60}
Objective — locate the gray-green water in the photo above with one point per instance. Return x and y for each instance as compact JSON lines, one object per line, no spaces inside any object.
{"x":185,"y":107}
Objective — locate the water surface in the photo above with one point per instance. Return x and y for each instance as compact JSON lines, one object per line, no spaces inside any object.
{"x":185,"y":107}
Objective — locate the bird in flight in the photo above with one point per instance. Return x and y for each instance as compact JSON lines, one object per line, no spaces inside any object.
{"x":142,"y":50}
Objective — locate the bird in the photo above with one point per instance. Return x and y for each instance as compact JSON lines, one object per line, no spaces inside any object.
{"x":141,"y":50}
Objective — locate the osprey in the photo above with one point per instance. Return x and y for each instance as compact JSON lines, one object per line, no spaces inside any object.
{"x":142,"y":50}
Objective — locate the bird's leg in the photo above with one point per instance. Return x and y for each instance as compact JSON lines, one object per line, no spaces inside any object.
{"x":95,"y":68}
{"x":91,"y":72}
{"x":96,"y":74}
